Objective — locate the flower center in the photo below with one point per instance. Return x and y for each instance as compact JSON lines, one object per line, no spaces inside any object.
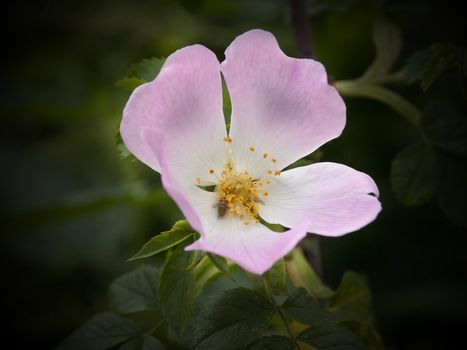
{"x":239,"y":193}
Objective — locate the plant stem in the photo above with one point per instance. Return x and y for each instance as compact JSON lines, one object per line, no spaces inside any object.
{"x":301,"y":28}
{"x":281,"y":313}
{"x":153,"y":329}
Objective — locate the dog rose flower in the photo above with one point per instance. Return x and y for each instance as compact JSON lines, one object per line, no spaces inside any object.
{"x":282,"y":109}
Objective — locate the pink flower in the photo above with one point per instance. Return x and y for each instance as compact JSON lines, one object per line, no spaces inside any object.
{"x":282,"y":110}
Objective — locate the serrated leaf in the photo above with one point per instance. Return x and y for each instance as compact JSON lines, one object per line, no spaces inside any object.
{"x":443,"y":57}
{"x":353,"y":299}
{"x":231,"y":320}
{"x":416,"y":65}
{"x":221,"y":263}
{"x":129,"y":84}
{"x":445,"y":127}
{"x":276,"y":278}
{"x":143,"y":343}
{"x":367,"y":333}
{"x":101,"y":332}
{"x":303,"y":308}
{"x":302,"y":275}
{"x":272,"y":342}
{"x":177,"y":288}
{"x":135,"y":291}
{"x":331,"y":337}
{"x":147,"y":69}
{"x":354,"y":88}
{"x":414,"y":174}
{"x":388,"y":44}
{"x":168,"y":239}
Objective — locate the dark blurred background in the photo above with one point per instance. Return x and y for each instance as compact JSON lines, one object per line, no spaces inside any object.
{"x":73,"y":211}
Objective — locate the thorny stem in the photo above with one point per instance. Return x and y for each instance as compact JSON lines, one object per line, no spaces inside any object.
{"x":301,"y":26}
{"x":279,"y":310}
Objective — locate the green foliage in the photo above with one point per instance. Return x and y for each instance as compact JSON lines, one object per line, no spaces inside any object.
{"x":141,"y":73}
{"x":428,"y":65}
{"x":101,"y":332}
{"x":302,"y":275}
{"x":177,"y":288}
{"x":353,"y":299}
{"x":331,"y":337}
{"x":388,"y":43}
{"x":445,"y":127}
{"x":413,"y":174}
{"x":303,"y":308}
{"x":362,"y":89}
{"x":143,"y":343}
{"x":231,"y":320}
{"x":272,"y":342}
{"x":135,"y":291}
{"x":221,"y":263}
{"x":276,"y":278}
{"x":180,"y":232}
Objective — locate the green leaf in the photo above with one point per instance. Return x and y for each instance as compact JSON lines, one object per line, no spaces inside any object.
{"x":353,"y":299}
{"x":428,"y":65}
{"x":272,"y":342}
{"x":367,"y":333}
{"x":331,"y":337}
{"x":442,"y":58}
{"x":301,"y":307}
{"x":354,"y":88}
{"x":388,"y":44}
{"x":177,"y":288}
{"x":143,"y":343}
{"x":135,"y":291}
{"x":416,"y":65}
{"x":101,"y":332}
{"x":231,"y":320}
{"x":445,"y":127}
{"x":179,"y":233}
{"x":221,"y":263}
{"x":276,"y":278}
{"x":140,"y":73}
{"x":302,"y":275}
{"x":414,"y":174}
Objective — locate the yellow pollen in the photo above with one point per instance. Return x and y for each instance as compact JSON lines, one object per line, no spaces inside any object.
{"x":252,"y":149}
{"x":211,"y":171}
{"x":269,"y":172}
{"x":273,"y":160}
{"x":198,"y":180}
{"x":277,"y":173}
{"x":246,"y":222}
{"x":227,"y":139}
{"x":240,"y":192}
{"x":265,"y":155}
{"x":266,"y":194}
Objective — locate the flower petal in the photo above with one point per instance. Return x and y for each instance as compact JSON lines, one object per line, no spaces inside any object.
{"x":184,"y":103}
{"x":329,"y":199}
{"x":281,"y":107}
{"x":254,"y":247}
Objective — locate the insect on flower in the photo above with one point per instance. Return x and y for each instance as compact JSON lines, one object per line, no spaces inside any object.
{"x":282,"y":110}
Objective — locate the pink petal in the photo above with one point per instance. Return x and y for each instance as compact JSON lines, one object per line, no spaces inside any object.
{"x":175,"y":125}
{"x":254,"y":247}
{"x":326,"y":198}
{"x":184,"y":103}
{"x":281,"y":106}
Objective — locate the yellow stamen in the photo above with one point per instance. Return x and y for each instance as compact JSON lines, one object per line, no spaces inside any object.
{"x":252,"y":149}
{"x":265,"y":155}
{"x":273,"y":160}
{"x":211,"y":171}
{"x":277,"y":173}
{"x":227,"y":139}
